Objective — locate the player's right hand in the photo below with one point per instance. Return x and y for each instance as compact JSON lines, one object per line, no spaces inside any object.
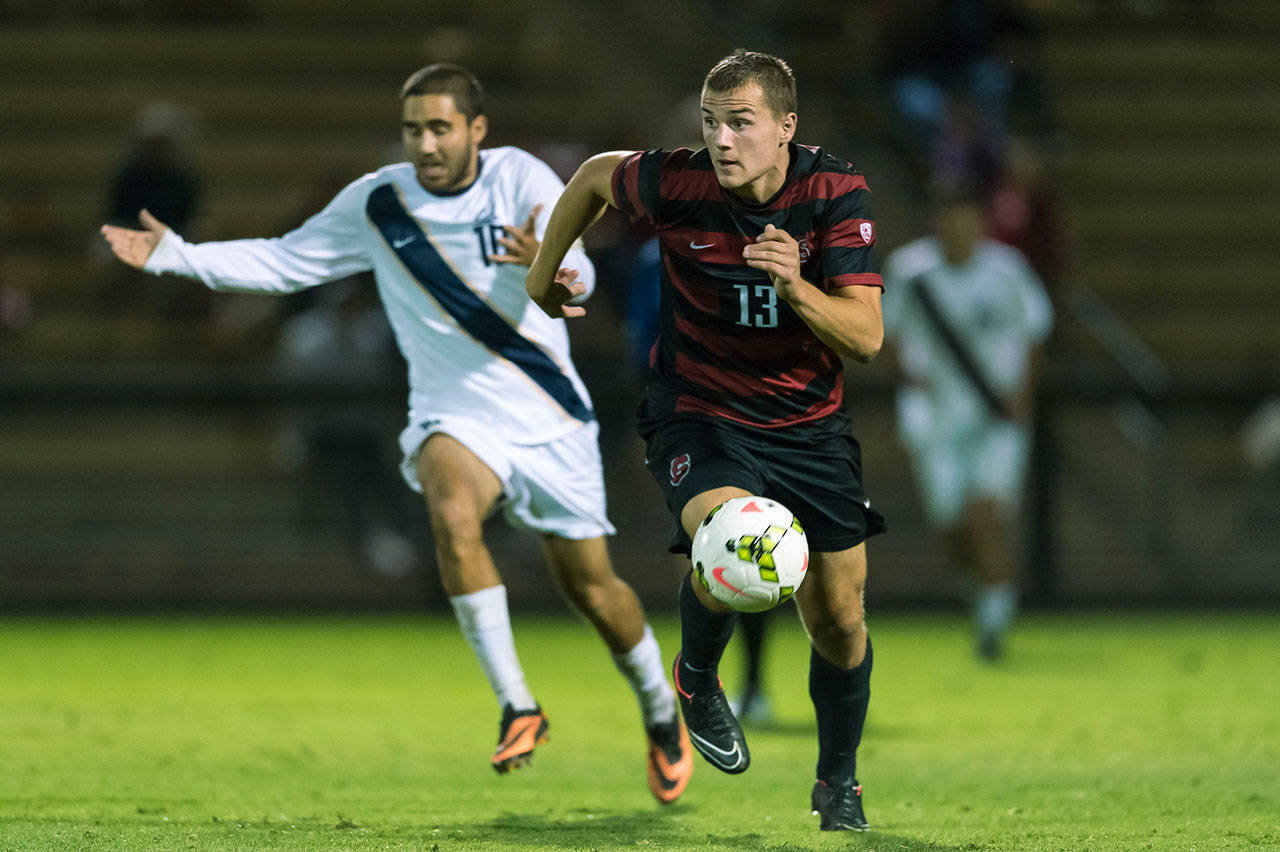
{"x":555,"y":297}
{"x":135,"y":247}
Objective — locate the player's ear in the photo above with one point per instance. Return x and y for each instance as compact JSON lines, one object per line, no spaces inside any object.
{"x":787,"y":128}
{"x":479,"y":129}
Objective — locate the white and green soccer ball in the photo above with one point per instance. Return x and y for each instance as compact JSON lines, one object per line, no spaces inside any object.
{"x":750,"y":553}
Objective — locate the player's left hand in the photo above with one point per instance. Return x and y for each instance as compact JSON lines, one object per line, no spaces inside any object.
{"x":776,"y":253}
{"x":521,"y":243}
{"x":554,"y":297}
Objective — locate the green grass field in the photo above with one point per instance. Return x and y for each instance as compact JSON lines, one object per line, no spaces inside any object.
{"x":1099,"y":732}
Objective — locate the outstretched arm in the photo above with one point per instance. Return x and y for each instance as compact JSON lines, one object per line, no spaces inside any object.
{"x":326,"y":247}
{"x":584,"y":199}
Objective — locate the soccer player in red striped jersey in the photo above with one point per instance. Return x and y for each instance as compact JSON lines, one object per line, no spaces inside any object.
{"x":768,"y":277}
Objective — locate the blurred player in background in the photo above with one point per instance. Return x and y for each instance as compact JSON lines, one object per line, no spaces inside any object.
{"x":768,"y":278}
{"x":497,"y":413}
{"x":966,"y":316}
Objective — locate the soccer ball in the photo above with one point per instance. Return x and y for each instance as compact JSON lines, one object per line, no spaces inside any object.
{"x":750,"y":553}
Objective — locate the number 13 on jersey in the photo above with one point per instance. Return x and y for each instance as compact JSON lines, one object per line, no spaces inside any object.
{"x":757,"y":305}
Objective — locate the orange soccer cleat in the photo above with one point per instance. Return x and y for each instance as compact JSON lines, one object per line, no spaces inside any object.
{"x":670,"y":760}
{"x":518,"y":733}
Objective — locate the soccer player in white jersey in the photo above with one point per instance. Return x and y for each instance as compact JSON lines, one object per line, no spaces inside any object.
{"x":966,"y":316}
{"x":497,"y":413}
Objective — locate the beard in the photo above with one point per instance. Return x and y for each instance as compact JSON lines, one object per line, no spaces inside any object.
{"x":447,"y":174}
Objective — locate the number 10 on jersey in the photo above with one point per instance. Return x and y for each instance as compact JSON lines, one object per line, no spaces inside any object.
{"x":489,"y":234}
{"x":757,"y":305}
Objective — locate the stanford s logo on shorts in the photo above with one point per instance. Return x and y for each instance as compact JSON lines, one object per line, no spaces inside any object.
{"x":679,"y":468}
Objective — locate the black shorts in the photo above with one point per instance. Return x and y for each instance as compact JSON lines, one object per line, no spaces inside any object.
{"x":813,"y":472}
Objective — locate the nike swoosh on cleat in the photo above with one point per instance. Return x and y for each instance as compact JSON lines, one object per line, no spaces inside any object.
{"x":517,"y":731}
{"x":667,"y":783}
{"x":703,"y":745}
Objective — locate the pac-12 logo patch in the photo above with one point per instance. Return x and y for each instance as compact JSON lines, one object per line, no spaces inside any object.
{"x":868,"y":232}
{"x":680,"y":468}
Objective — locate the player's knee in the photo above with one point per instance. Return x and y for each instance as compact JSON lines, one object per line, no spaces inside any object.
{"x":588,"y":594}
{"x":839,"y":637}
{"x":457,"y":530}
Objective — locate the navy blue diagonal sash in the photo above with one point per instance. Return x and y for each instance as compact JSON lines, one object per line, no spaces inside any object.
{"x":963,"y":358}
{"x":407,"y":239}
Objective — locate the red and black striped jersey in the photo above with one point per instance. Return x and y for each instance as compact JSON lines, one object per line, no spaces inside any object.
{"x":728,"y":347}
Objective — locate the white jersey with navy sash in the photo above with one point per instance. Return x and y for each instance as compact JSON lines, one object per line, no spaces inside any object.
{"x":998,"y":310}
{"x":476,"y":345}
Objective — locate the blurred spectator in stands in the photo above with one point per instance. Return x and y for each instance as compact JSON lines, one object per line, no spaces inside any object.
{"x":965,"y":317}
{"x":343,"y":339}
{"x":1022,"y":211}
{"x":932,"y":51}
{"x":956,"y":73}
{"x":157,"y":175}
{"x":962,"y":153}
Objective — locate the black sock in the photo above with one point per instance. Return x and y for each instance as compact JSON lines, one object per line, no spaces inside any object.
{"x":753,"y":626}
{"x":703,"y":637}
{"x":840,"y":700}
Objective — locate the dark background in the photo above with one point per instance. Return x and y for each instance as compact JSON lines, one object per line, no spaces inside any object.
{"x":150,"y":433}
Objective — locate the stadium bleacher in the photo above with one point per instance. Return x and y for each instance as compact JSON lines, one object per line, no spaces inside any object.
{"x":1168,"y":182}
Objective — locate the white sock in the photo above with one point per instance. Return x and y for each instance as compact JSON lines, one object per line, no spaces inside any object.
{"x":643,"y":669}
{"x":485,"y":622}
{"x":993,"y":608}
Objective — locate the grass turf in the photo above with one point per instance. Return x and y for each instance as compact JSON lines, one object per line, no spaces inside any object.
{"x":1099,"y":732}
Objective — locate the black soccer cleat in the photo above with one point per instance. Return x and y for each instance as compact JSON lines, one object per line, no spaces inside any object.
{"x":840,"y":807}
{"x":713,"y":730}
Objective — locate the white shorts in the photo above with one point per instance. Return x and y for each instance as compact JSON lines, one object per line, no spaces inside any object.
{"x":986,"y":463}
{"x":555,"y":488}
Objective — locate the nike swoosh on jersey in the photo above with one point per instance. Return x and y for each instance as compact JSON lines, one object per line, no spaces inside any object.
{"x":697,"y":247}
{"x":736,"y":751}
{"x":401,"y":243}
